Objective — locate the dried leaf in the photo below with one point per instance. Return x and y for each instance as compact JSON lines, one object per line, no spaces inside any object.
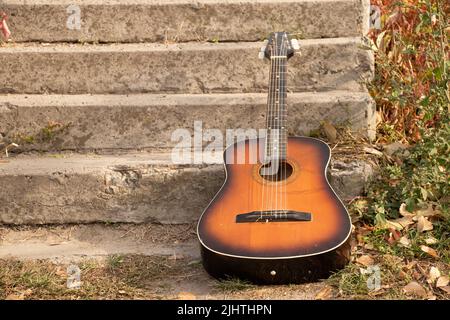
{"x":434,"y":274}
{"x":365,"y":260}
{"x":414,"y":288}
{"x":396,"y":235}
{"x":442,"y":282}
{"x":186,"y":296}
{"x":429,"y":251}
{"x":4,"y":27}
{"x":423,"y":224}
{"x":393,"y":225}
{"x":27,"y":292}
{"x":404,"y":212}
{"x":330,"y":131}
{"x":373,"y":151}
{"x":325,"y":294}
{"x":404,"y":221}
{"x":15,"y":297}
{"x":431,"y":240}
{"x":446,"y":289}
{"x":428,"y":212}
{"x":405,"y":241}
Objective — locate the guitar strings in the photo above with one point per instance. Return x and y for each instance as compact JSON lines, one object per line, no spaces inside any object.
{"x":275,"y":152}
{"x":271,"y":128}
{"x":280,"y":145}
{"x":264,"y":205}
{"x":277,"y":120}
{"x":284,"y":137}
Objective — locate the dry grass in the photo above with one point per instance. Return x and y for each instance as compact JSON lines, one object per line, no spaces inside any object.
{"x":120,"y":277}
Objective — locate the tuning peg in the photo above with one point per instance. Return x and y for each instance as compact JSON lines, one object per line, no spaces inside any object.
{"x":295,"y":45}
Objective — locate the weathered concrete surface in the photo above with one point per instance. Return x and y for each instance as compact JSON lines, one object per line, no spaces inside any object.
{"x":183,"y":20}
{"x":128,"y":188}
{"x":147,"y":121}
{"x":350,"y":179}
{"x":324,"y":64}
{"x":71,"y":243}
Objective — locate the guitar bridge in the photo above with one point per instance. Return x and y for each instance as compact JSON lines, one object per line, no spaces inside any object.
{"x":273,"y":216}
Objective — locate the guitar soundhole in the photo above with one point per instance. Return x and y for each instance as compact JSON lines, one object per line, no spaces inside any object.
{"x":284,"y":171}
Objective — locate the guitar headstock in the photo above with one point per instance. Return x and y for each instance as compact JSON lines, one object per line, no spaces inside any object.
{"x":279,"y":45}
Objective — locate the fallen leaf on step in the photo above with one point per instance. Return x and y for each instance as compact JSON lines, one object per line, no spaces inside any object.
{"x":405,"y":241}
{"x":186,"y":296}
{"x":433,"y":275}
{"x":423,"y":224}
{"x":404,"y":212}
{"x":442,"y":282}
{"x":365,"y":260}
{"x":429,"y":251}
{"x":325,"y":294}
{"x":414,"y":289}
{"x":431,"y":240}
{"x":330,"y":131}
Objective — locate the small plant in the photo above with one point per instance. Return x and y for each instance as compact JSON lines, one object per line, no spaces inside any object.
{"x":412,"y":60}
{"x":114,"y":261}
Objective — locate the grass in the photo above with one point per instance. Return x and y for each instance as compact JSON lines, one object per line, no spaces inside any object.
{"x":46,"y":134}
{"x":233,"y":285}
{"x":119,"y":277}
{"x":357,"y":285}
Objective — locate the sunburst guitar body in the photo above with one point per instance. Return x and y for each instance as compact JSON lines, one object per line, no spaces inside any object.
{"x":276,"y":218}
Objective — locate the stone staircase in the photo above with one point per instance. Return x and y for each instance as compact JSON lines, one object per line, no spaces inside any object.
{"x":93,"y":109}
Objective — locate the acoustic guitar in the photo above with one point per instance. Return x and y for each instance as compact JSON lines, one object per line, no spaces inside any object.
{"x":276,"y":219}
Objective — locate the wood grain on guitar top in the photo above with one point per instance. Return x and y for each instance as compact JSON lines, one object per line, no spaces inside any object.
{"x":306,"y":190}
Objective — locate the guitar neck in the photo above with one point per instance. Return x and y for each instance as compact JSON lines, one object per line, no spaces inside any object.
{"x":276,"y":125}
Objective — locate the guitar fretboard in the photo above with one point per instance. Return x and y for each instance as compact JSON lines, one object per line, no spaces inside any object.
{"x":276,"y":124}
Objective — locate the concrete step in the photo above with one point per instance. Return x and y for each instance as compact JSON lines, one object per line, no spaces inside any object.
{"x":324,"y":64}
{"x":182,"y":20}
{"x":98,"y":241}
{"x":74,"y":188}
{"x":147,"y":121}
